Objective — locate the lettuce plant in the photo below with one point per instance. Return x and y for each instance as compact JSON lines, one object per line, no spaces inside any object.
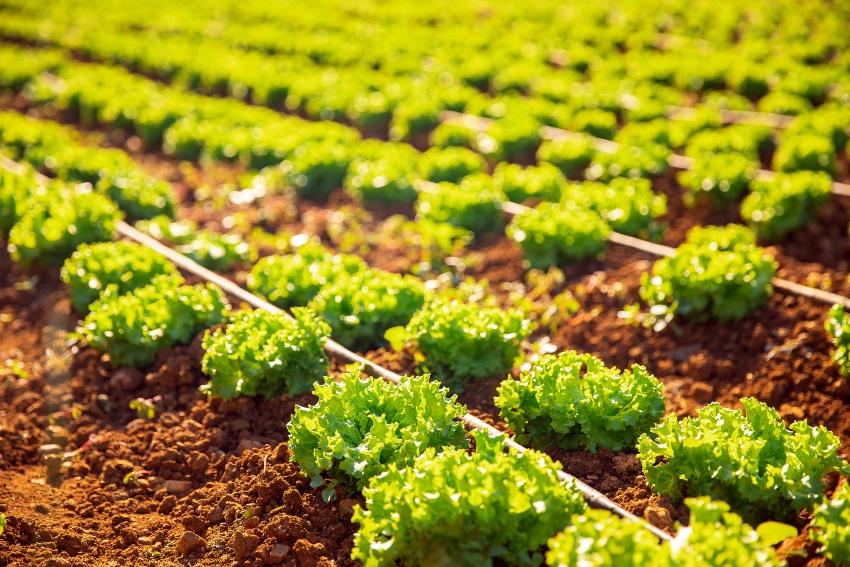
{"x":714,"y":537}
{"x":629,"y":161}
{"x":459,"y":341}
{"x":574,"y":401}
{"x":450,"y":164}
{"x":15,"y":190}
{"x":722,"y":177}
{"x":450,"y":134}
{"x":132,"y":328}
{"x":831,"y":526}
{"x":499,"y":506}
{"x":805,"y":152}
{"x":52,"y":225}
{"x":294,"y":279}
{"x":382,"y":180}
{"x":571,"y":156}
{"x":317,"y":169}
{"x":125,"y":265}
{"x":360,"y":425}
{"x":265,"y":354}
{"x":603,"y":539}
{"x":543,"y":182}
{"x":628,"y":205}
{"x":718,"y":272}
{"x":838,"y":328}
{"x":474,"y":204}
{"x":749,"y":459}
{"x":360,"y":307}
{"x":785,"y":202}
{"x":210,"y":249}
{"x":552,"y":234}
{"x":510,"y":138}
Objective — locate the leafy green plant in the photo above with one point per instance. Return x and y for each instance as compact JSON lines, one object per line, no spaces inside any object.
{"x":831,"y":526}
{"x":52,"y":225}
{"x":718,"y":272}
{"x":499,"y":506}
{"x":134,"y":326}
{"x":126,"y":265}
{"x":382,"y":180}
{"x":510,"y":138}
{"x":265,"y":354}
{"x":210,"y":249}
{"x":714,"y":537}
{"x":360,"y":425}
{"x":838,"y":328}
{"x":629,"y":161}
{"x":749,"y":459}
{"x":474,"y":204}
{"x":450,"y":164}
{"x":519,"y":184}
{"x":551,"y":234}
{"x":722,"y":177}
{"x":360,"y":307}
{"x":785,"y":202}
{"x":571,"y":156}
{"x":805,"y":152}
{"x":14,"y":191}
{"x":574,"y":401}
{"x":295,"y":279}
{"x":450,"y":134}
{"x":602,"y":539}
{"x":459,"y":341}
{"x":628,"y":205}
{"x":317,"y":169}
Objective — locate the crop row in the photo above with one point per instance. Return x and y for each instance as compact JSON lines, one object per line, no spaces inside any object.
{"x":228,"y":357}
{"x":529,"y":61}
{"x":316,"y":168}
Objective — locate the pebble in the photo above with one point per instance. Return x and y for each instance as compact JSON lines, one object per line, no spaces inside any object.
{"x":278,"y":553}
{"x":177,"y":486}
{"x":189,"y":542}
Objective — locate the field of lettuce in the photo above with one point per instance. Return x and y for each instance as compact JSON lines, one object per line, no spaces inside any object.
{"x":424,"y":284}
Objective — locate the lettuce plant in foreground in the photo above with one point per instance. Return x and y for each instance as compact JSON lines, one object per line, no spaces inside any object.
{"x":457,"y":508}
{"x":831,"y":526}
{"x":51,"y":226}
{"x":14,"y":192}
{"x":838,"y":327}
{"x":552,"y":234}
{"x":574,"y":401}
{"x":717,"y":272}
{"x":749,"y":459}
{"x":135,"y":326}
{"x":126,"y":265}
{"x":599,"y":538}
{"x":360,"y":425}
{"x":294,"y":279}
{"x":360,"y":307}
{"x":458,"y":341}
{"x":786,"y":202}
{"x":714,"y":537}
{"x":316,"y":169}
{"x":265,"y":354}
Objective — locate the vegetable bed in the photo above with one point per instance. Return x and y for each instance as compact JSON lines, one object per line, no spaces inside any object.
{"x":423,"y":301}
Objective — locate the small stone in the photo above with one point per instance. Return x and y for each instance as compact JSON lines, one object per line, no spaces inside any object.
{"x":167,"y":505}
{"x":278,"y":553}
{"x":58,"y":562}
{"x":177,"y":487}
{"x":659,"y":517}
{"x":41,"y":508}
{"x":189,"y":542}
{"x":243,"y":544}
